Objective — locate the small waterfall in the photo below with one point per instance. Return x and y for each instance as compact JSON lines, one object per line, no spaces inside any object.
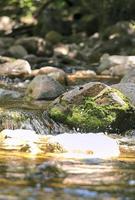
{"x":14,"y":115}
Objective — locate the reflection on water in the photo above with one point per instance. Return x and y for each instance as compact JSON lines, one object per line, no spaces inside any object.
{"x":56,"y":177}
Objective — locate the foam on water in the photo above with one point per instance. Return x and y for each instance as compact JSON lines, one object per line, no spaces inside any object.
{"x":93,"y":145}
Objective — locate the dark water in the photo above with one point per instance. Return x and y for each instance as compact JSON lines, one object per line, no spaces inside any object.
{"x":52,"y":177}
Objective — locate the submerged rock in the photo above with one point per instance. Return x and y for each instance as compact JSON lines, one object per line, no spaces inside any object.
{"x":94,"y":107}
{"x":43,"y":87}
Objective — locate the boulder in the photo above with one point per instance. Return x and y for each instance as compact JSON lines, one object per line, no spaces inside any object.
{"x":43,"y":87}
{"x":18,"y":67}
{"x":128,"y":89}
{"x":117,"y":65}
{"x":94,"y":107}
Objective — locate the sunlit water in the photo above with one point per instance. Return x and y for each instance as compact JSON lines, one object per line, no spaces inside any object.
{"x":74,"y":171}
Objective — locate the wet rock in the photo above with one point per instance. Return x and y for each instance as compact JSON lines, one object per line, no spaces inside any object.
{"x":46,"y":172}
{"x":9,"y":94}
{"x":128,"y":89}
{"x":11,"y":118}
{"x":55,"y":73}
{"x":18,"y":67}
{"x":94,"y":107}
{"x":34,"y":45}
{"x":117,"y":65}
{"x":43,"y":87}
{"x":17,"y":51}
{"x":129,"y":77}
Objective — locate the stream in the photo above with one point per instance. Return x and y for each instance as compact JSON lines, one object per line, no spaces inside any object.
{"x":25,"y":176}
{"x":63,"y":176}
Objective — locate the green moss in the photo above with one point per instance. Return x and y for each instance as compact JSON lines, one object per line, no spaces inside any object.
{"x":57,"y":113}
{"x":90,"y":115}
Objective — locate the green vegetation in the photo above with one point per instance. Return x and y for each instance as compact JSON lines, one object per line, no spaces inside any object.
{"x":92,"y":116}
{"x":97,"y":14}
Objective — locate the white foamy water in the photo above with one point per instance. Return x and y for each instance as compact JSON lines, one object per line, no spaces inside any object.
{"x":93,"y":145}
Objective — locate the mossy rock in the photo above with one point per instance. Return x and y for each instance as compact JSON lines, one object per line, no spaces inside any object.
{"x":29,"y":119}
{"x":104,"y":109}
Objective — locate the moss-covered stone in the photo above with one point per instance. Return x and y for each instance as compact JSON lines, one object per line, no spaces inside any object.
{"x":109,"y":111}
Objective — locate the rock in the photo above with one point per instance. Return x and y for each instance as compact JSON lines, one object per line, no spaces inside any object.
{"x":17,"y":51}
{"x":4,"y":59}
{"x":7,"y":41}
{"x":85,"y":73}
{"x":32,"y":59}
{"x":94,"y":107}
{"x":61,"y":49}
{"x":117,"y":65}
{"x":34,"y":45}
{"x":9,"y":94}
{"x":43,"y":87}
{"x":128,"y":89}
{"x":129,"y":77}
{"x":18,"y":67}
{"x":34,"y":72}
{"x":12,"y":118}
{"x":55,"y":73}
{"x":53,"y":37}
{"x":6,"y":24}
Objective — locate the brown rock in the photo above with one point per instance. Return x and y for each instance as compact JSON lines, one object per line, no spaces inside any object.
{"x":15,"y":68}
{"x":55,"y":73}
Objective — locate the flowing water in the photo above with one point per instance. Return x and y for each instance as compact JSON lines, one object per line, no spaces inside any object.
{"x":31,"y":175}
